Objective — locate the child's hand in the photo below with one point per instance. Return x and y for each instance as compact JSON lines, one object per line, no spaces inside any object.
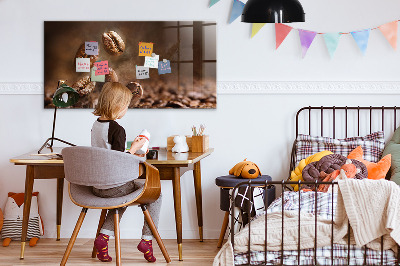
{"x":137,"y":144}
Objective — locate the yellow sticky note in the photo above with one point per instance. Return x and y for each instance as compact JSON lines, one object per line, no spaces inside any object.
{"x":145,"y":48}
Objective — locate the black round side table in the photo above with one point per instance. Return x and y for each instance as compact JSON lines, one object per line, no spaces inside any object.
{"x":228,"y":182}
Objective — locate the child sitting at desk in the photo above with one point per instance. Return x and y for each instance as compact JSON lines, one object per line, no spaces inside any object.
{"x":106,"y":133}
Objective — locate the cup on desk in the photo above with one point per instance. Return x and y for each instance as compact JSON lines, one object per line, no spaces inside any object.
{"x":152,"y":155}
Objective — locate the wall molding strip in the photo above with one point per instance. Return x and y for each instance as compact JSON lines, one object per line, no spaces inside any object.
{"x":260,"y":87}
{"x":309,"y":87}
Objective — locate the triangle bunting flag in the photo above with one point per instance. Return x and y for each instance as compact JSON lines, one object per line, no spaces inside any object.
{"x":389,"y":30}
{"x":256,"y":28}
{"x":237,"y":9}
{"x":361,"y":37}
{"x":306,"y":39}
{"x":332,"y":41}
{"x":213,"y":2}
{"x":281,"y":31}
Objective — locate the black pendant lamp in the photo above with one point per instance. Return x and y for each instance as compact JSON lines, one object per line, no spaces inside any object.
{"x":273,"y":11}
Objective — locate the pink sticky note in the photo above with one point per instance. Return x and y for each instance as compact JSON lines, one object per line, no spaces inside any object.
{"x":102,"y":68}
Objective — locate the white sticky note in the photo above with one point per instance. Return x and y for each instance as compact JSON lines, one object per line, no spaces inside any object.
{"x":91,"y":48}
{"x":142,"y":72}
{"x":82,"y":64}
{"x":151,"y":61}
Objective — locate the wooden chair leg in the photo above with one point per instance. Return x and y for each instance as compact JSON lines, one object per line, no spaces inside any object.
{"x":154,"y":230}
{"x":223,"y":229}
{"x":73,"y":237}
{"x":117,"y":238}
{"x":101,"y":222}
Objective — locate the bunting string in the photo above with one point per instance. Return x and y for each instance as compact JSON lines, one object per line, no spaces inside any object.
{"x":343,"y":33}
{"x":361,"y":37}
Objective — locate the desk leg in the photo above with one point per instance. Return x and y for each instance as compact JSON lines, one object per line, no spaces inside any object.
{"x":176,"y":182}
{"x":60,"y":190}
{"x":27,"y":206}
{"x":199,"y":204}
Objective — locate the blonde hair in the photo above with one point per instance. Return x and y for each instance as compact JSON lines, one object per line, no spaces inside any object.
{"x":112,"y":99}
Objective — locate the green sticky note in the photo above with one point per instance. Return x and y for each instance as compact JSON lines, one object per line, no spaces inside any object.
{"x":128,"y":145}
{"x":98,"y":78}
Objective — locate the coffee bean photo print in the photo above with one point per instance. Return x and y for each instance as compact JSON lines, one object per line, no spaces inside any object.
{"x":179,"y":57}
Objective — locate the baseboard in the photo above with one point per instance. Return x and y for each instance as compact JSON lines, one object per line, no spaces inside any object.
{"x":259,"y":87}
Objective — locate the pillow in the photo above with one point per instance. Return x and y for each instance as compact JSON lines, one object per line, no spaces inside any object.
{"x":375,"y":170}
{"x":393,"y":148}
{"x":372,"y":144}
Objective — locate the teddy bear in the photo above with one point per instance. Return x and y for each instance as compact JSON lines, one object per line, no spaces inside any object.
{"x":245,"y":169}
{"x":13,"y":215}
{"x":180,"y":144}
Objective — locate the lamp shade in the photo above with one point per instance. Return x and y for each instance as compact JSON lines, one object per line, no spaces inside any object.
{"x":65,"y":96}
{"x":273,"y":11}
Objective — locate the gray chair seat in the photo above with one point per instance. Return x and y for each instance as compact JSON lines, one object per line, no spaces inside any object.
{"x":83,"y":196}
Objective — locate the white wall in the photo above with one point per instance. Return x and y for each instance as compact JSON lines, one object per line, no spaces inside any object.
{"x":259,"y":127}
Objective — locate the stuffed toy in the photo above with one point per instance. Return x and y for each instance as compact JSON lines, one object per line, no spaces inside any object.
{"x":13,"y":215}
{"x":375,"y":170}
{"x":180,"y":144}
{"x":245,"y":169}
{"x":296,"y":174}
{"x":328,"y":164}
{"x":348,"y":170}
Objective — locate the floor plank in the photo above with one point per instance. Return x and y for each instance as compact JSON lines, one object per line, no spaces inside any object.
{"x":50,"y":252}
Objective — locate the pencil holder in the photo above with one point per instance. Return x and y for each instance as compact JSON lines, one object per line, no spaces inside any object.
{"x":200,"y":143}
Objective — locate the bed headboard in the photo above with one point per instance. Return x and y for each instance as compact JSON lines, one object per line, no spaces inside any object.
{"x":344,"y":121}
{"x":344,"y":118}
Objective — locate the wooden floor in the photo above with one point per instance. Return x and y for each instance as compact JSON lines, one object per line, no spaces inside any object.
{"x":50,"y":252}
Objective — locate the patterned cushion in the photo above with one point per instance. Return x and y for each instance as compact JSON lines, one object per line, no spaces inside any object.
{"x":372,"y":144}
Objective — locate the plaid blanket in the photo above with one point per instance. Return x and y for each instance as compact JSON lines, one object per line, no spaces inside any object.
{"x":323,"y":205}
{"x":324,"y":257}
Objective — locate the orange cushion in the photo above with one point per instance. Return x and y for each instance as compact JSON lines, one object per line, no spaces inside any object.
{"x":375,"y":170}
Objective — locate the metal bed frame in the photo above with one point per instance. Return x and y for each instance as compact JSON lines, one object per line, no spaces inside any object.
{"x":283,"y":184}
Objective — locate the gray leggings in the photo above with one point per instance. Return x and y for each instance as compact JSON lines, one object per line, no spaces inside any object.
{"x":154,"y":208}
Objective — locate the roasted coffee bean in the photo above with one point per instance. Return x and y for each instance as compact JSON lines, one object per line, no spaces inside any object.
{"x":111,"y":76}
{"x":211,"y":100}
{"x":84,"y":86}
{"x":137,"y":92}
{"x":81,"y":54}
{"x":176,"y":104}
{"x":159,"y":104}
{"x":149,"y":101}
{"x":186,"y":101}
{"x":195,"y":95}
{"x":113,"y":43}
{"x":194,"y":103}
{"x":136,"y":89}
